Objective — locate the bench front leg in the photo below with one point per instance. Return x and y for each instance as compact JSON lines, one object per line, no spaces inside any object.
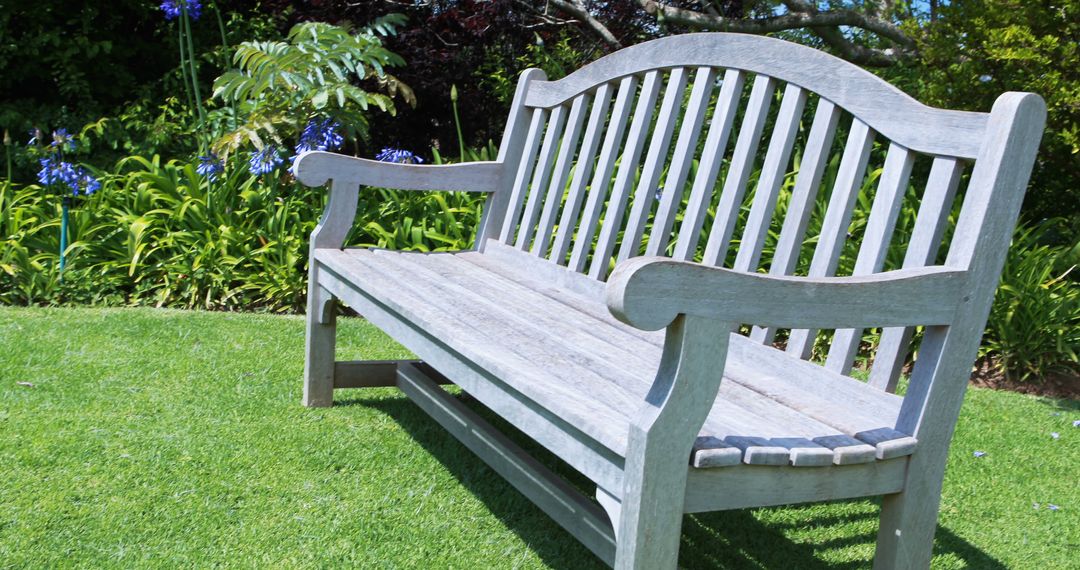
{"x":661,"y":439}
{"x":321,"y":325}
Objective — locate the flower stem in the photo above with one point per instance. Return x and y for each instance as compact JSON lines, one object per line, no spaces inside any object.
{"x":183,"y":67}
{"x":186,"y":23}
{"x":65,"y":204}
{"x":225,"y":62}
{"x":457,"y":123}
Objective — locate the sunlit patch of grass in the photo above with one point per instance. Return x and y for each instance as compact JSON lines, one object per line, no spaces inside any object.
{"x":154,"y":438}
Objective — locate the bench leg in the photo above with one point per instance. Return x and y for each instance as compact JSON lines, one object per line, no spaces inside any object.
{"x":319,"y":347}
{"x":909,"y":519}
{"x":650,"y":515}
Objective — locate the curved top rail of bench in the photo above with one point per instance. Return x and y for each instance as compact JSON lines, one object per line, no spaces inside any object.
{"x":874,"y":101}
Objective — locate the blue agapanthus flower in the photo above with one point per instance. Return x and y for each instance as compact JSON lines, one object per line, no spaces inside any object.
{"x":87,"y":184}
{"x":78,"y":180}
{"x":320,"y":135}
{"x":265,"y":160}
{"x":62,"y":140}
{"x":398,"y":155}
{"x":210,"y":166}
{"x":55,"y":171}
{"x":175,"y":8}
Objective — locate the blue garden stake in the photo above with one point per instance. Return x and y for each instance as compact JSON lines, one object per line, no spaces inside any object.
{"x":65,"y":205}
{"x":66,"y":177}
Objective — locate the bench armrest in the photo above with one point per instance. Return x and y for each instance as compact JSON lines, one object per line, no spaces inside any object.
{"x":649,"y":292}
{"x":348,"y":173}
{"x":315,"y":168}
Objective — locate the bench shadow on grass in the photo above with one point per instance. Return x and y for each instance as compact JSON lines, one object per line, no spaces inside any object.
{"x":720,"y":540}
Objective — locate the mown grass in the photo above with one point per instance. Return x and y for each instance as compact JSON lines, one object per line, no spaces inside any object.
{"x":152,"y":438}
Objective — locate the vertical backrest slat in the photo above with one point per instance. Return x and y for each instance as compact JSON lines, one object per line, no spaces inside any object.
{"x":585,"y":162}
{"x":620,"y":191}
{"x":742,"y":163}
{"x":557,"y":187}
{"x":837,"y":218}
{"x":875,"y":244}
{"x":520,"y":125}
{"x":803,"y":197}
{"x":772,"y":176}
{"x":685,"y":147}
{"x":645,"y":192}
{"x":602,"y":177}
{"x":921,"y":251}
{"x":524,"y":174}
{"x":712,"y":157}
{"x":541,"y":175}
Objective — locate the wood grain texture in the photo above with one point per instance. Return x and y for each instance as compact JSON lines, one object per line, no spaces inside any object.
{"x":559,"y":176}
{"x":649,"y":292}
{"x":885,"y":108}
{"x":773,"y":170}
{"x":541,"y":178}
{"x":803,"y":196}
{"x":601,"y":181}
{"x":576,"y":193}
{"x":628,"y":164}
{"x":742,"y":164}
{"x":693,"y":418}
{"x":661,"y":437}
{"x":671,"y":193}
{"x":524,"y":174}
{"x":315,"y":168}
{"x":834,"y":227}
{"x":558,"y":435}
{"x":922,"y":250}
{"x":319,"y":344}
{"x":712,"y":156}
{"x":516,"y":151}
{"x":875,"y":244}
{"x":655,"y":157}
{"x":765,"y":485}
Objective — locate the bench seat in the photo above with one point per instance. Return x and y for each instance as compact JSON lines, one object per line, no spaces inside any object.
{"x":593,"y":372}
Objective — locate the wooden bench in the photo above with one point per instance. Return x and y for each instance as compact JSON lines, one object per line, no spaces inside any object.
{"x":638,"y":377}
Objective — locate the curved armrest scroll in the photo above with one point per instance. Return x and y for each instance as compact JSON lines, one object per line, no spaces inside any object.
{"x":649,"y":292}
{"x":315,"y":168}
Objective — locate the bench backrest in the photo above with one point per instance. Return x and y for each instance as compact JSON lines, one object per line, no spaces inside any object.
{"x":759,"y":155}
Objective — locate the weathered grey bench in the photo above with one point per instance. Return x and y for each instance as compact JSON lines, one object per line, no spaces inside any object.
{"x":639,"y":382}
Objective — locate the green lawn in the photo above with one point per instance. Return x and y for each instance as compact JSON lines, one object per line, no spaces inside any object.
{"x":154,"y":438}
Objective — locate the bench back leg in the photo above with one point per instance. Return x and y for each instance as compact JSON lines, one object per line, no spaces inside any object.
{"x":909,"y":518}
{"x":319,"y":348}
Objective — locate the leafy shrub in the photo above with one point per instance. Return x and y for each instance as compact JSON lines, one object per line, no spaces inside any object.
{"x":280,"y":85}
{"x":1034,"y":325}
{"x":158,"y":233}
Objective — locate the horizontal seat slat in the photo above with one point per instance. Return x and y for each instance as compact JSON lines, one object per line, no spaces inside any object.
{"x":507,"y":364}
{"x":627,"y":361}
{"x":736,"y":410}
{"x":564,"y":351}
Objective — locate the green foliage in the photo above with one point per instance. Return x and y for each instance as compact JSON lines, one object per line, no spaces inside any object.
{"x":557,"y":58}
{"x":159,"y":234}
{"x":1034,"y":326}
{"x":978,"y":49}
{"x":279,"y":85}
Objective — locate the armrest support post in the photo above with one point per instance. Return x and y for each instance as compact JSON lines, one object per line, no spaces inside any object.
{"x":662,"y":436}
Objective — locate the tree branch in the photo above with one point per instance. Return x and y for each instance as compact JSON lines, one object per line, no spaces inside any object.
{"x":576,"y":9}
{"x":802,"y":14}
